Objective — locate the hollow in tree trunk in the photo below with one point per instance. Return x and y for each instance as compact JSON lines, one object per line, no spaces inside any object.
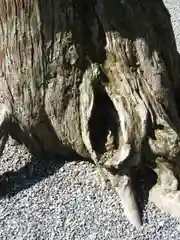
{"x":97,"y":78}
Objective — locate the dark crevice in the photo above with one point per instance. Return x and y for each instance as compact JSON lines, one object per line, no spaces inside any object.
{"x":85,"y":10}
{"x":104,"y":117}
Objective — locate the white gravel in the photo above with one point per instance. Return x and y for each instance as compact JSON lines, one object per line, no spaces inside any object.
{"x":174,"y":9}
{"x":63,"y":201}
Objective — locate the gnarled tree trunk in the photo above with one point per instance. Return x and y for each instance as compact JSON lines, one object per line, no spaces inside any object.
{"x":97,"y":78}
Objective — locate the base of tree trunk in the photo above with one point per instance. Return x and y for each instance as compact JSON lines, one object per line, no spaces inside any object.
{"x":100,"y":79}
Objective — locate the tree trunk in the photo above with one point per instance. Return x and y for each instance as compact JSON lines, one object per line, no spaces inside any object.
{"x":97,"y":78}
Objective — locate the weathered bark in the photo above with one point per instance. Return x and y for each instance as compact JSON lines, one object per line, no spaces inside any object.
{"x":97,"y":78}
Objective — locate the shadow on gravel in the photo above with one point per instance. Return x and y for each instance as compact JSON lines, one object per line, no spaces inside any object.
{"x":13,"y":182}
{"x":144,"y":180}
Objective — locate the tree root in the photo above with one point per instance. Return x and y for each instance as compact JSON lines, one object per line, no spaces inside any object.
{"x":165,"y":193}
{"x":123,"y":185}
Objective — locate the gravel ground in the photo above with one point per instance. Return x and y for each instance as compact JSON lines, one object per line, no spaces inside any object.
{"x":174,"y":9}
{"x":53,"y":200}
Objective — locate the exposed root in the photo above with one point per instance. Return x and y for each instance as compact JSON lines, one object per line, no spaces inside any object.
{"x":119,"y":157}
{"x":123,"y":186}
{"x":167,"y":201}
{"x":125,"y":192}
{"x":165,"y":193}
{"x":102,"y":177}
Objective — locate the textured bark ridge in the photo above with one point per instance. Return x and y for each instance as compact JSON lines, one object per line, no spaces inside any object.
{"x":97,"y":78}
